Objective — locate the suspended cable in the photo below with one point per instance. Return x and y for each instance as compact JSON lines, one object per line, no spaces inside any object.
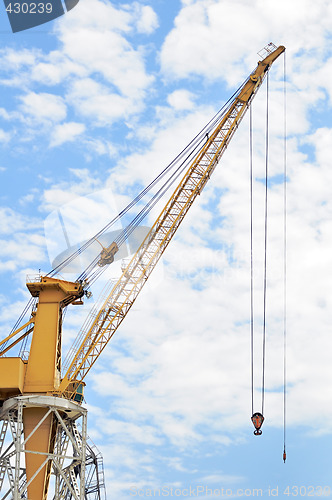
{"x":265,"y":239}
{"x":285,"y":257}
{"x":258,"y":417}
{"x":251,"y":263}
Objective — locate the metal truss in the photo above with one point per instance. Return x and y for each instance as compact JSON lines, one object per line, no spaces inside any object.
{"x":66,"y":462}
{"x":94,"y":474}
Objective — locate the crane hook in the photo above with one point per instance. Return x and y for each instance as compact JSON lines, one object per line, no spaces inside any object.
{"x":257,"y":419}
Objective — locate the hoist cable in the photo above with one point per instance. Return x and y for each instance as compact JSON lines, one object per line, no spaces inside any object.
{"x":265,"y":239}
{"x":285,"y":257}
{"x":251,"y":263}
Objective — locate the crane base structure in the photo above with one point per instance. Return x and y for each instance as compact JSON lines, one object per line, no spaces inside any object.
{"x":68,"y":459}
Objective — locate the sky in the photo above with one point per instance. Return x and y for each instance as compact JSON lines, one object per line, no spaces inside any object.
{"x":93,"y":105}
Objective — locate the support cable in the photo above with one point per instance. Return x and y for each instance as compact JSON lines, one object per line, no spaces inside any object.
{"x":92,"y":272}
{"x":258,"y":418}
{"x":184,"y":157}
{"x":18,"y":322}
{"x":251,"y":263}
{"x":265,"y":239}
{"x":178,"y":165}
{"x":285,"y":258}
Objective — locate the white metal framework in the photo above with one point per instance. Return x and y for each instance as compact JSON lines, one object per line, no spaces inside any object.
{"x":68,"y":460}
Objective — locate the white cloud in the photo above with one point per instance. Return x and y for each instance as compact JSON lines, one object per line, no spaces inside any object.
{"x":66,"y":132}
{"x":131,"y":433}
{"x":321,"y":140}
{"x":120,"y":64}
{"x":94,"y":39}
{"x":167,"y":136}
{"x":147,"y":20}
{"x":103,"y":73}
{"x":181,"y":99}
{"x":202,"y":41}
{"x":31,"y":251}
{"x":58,"y":195}
{"x":28,"y":198}
{"x":12,"y":222}
{"x":54,"y":68}
{"x":100,"y":147}
{"x":4,"y":136}
{"x":44,"y":107}
{"x":92,"y":100}
{"x":97,"y":15}
{"x":8,"y":116}
{"x":15,"y":60}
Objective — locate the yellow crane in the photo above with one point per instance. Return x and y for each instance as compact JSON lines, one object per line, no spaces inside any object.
{"x":38,"y":379}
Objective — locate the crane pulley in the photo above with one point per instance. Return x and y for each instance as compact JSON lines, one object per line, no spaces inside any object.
{"x":107,"y":254}
{"x":41,"y":372}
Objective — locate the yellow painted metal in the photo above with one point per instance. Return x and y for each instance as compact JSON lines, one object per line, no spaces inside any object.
{"x":32,"y":320}
{"x":101,"y":327}
{"x":37,"y":446}
{"x":44,"y":363}
{"x":16,"y":341}
{"x":12,"y":372}
{"x":43,"y":374}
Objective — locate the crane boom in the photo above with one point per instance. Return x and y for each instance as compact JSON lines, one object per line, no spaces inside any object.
{"x":28,"y":387}
{"x":101,"y":327}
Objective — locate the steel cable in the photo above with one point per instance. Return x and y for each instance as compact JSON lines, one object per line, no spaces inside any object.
{"x":285,"y":259}
{"x":265,"y":239}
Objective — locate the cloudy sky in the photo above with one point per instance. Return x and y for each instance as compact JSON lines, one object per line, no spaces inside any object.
{"x":92,"y":107}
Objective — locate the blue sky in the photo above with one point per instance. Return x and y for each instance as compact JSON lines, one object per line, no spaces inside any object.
{"x":92,"y":107}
